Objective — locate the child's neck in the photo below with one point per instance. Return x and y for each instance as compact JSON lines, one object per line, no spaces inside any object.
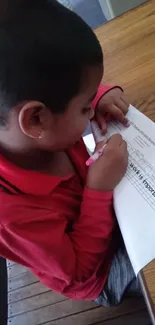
{"x":55,"y":163}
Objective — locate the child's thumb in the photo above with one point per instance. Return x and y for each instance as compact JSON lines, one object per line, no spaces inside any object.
{"x":100,"y":145}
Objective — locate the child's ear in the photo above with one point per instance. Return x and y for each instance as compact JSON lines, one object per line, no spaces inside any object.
{"x":32,"y":119}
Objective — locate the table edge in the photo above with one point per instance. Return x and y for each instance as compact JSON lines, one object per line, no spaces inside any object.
{"x":147,"y":296}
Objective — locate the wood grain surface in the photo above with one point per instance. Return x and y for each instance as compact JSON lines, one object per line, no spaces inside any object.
{"x":128,"y":44}
{"x":149,"y":272}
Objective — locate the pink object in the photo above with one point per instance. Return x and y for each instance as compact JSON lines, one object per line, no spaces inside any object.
{"x":95,"y":156}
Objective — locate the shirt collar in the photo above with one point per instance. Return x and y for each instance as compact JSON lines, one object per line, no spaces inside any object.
{"x":31,"y":182}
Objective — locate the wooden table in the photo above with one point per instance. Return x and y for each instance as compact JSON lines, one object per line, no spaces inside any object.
{"x":129,"y":53}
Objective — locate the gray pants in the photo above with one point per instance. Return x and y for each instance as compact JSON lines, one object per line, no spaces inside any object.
{"x":121,"y":281}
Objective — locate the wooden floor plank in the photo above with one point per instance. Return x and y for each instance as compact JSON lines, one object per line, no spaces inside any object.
{"x":21,"y":281}
{"x":16,"y":269}
{"x":134,"y":319}
{"x":38,"y":301}
{"x":101,"y":314}
{"x":26,"y":292}
{"x":30,"y":302}
{"x":52,"y":312}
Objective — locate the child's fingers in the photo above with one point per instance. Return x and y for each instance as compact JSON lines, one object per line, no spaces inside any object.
{"x":102,"y":123}
{"x":100,"y":145}
{"x":125,"y":101}
{"x":115,"y":141}
{"x":122,"y":106}
{"x":118,"y":115}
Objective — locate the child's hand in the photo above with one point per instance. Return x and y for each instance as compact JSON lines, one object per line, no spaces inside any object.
{"x":107,"y":171}
{"x":115,"y":104}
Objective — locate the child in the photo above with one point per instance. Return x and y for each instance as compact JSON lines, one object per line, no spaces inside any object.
{"x":56,"y":215}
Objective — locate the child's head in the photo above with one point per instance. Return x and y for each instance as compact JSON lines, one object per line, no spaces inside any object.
{"x":51,"y":64}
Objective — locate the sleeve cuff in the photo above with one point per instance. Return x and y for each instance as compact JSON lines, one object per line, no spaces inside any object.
{"x":102,"y":90}
{"x":97,"y":195}
{"x":97,"y":204}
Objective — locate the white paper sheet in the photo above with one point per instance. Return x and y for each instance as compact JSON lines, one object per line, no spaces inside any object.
{"x":134,"y":197}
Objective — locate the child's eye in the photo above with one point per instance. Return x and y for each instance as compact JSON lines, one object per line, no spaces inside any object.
{"x":86,"y":110}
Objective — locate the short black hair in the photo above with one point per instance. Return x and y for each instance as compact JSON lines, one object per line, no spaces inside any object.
{"x":44,"y":49}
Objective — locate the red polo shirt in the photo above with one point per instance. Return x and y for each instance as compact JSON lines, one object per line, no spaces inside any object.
{"x":56,"y":227}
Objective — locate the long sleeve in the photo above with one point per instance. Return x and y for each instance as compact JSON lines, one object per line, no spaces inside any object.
{"x":41,"y":240}
{"x":102,"y":90}
{"x":93,"y":230}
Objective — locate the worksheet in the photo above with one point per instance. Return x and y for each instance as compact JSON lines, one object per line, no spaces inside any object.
{"x":134,"y":197}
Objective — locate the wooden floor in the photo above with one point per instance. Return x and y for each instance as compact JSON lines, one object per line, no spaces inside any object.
{"x":31,"y":303}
